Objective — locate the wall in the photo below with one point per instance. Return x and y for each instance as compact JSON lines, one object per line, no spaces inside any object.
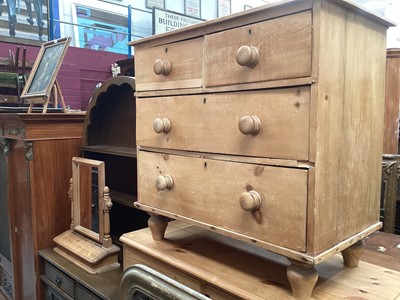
{"x":81,"y":70}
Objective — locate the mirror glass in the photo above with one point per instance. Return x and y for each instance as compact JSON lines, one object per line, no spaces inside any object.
{"x":89,"y":210}
{"x":87,"y":189}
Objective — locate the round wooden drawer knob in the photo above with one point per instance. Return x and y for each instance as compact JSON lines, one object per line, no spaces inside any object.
{"x":249,"y":125}
{"x":250,"y":201}
{"x":247,"y":56}
{"x":161,"y":67}
{"x":161,"y":125}
{"x":164,"y":182}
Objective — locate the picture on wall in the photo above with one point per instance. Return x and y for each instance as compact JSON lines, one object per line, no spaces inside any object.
{"x":26,"y":19}
{"x":224,"y":7}
{"x":193,"y":8}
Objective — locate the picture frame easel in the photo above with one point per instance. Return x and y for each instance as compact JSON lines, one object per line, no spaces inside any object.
{"x":42,"y":83}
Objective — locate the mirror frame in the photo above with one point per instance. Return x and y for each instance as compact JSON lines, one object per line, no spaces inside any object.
{"x":77,"y":162}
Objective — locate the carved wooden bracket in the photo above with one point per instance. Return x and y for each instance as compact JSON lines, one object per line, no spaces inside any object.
{"x":5,"y":144}
{"x":29,"y":151}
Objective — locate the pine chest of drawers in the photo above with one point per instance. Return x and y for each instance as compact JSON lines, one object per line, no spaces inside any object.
{"x":266,"y":126}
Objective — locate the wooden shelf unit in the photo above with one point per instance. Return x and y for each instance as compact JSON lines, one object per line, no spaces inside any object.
{"x":109,"y":135}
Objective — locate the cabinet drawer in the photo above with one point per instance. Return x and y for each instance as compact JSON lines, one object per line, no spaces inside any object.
{"x":283,"y":46}
{"x":210,"y":191}
{"x":83,"y":293}
{"x":51,"y":294}
{"x":210,"y":123}
{"x":60,"y":279}
{"x":185,"y":60}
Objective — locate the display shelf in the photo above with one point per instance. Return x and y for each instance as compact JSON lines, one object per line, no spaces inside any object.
{"x":112,"y":150}
{"x":122,"y":198}
{"x":109,"y":135}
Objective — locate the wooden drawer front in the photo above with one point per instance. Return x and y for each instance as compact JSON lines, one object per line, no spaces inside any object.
{"x":60,"y":279}
{"x":208,"y":191}
{"x":53,"y":295}
{"x":185,"y":60}
{"x":283,"y":45}
{"x":133,"y":257}
{"x":209,"y":123}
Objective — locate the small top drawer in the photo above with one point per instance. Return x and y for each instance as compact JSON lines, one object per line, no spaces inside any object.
{"x":171,"y":66}
{"x":60,"y":279}
{"x":270,"y":50}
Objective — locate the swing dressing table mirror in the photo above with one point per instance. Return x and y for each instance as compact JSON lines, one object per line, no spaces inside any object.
{"x":88,"y":243}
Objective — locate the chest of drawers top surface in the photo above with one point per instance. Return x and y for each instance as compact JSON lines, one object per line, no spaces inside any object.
{"x":272,"y":45}
{"x":271,"y":119}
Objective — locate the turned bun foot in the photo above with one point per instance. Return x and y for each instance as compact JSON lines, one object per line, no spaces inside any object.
{"x":302,"y":278}
{"x":158,"y":225}
{"x":352,"y":255}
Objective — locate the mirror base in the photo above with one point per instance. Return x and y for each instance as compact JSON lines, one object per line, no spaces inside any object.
{"x":88,"y":255}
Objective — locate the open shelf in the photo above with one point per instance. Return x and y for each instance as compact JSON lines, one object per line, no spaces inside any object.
{"x":109,"y":135}
{"x":112,"y":150}
{"x":122,"y":198}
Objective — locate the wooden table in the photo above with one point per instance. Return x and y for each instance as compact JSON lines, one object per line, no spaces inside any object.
{"x":107,"y":284}
{"x":224,"y":268}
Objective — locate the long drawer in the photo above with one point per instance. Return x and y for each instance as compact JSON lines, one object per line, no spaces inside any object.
{"x":270,"y":50}
{"x":220,"y":193}
{"x":223,"y":123}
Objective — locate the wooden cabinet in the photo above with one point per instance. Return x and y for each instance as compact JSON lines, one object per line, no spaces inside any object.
{"x":267,"y":126}
{"x":64,"y":280}
{"x":109,"y":135}
{"x":392,"y":99}
{"x":35,"y":161}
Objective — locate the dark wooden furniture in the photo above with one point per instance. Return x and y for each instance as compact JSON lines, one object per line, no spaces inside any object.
{"x":389,"y":195}
{"x":223,"y":268}
{"x":12,"y":77}
{"x":127,"y":66}
{"x":109,"y":135}
{"x":392,"y":96}
{"x":64,"y":280}
{"x":35,"y":170}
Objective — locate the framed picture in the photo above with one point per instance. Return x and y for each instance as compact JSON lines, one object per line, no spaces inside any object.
{"x":193,"y":8}
{"x":45,"y":69}
{"x":223,"y":7}
{"x":155,"y":3}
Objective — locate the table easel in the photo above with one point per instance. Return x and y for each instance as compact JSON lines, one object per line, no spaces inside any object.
{"x":55,"y":91}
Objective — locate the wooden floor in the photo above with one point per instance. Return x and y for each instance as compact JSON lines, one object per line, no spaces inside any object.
{"x":254,"y":273}
{"x":383,"y":249}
